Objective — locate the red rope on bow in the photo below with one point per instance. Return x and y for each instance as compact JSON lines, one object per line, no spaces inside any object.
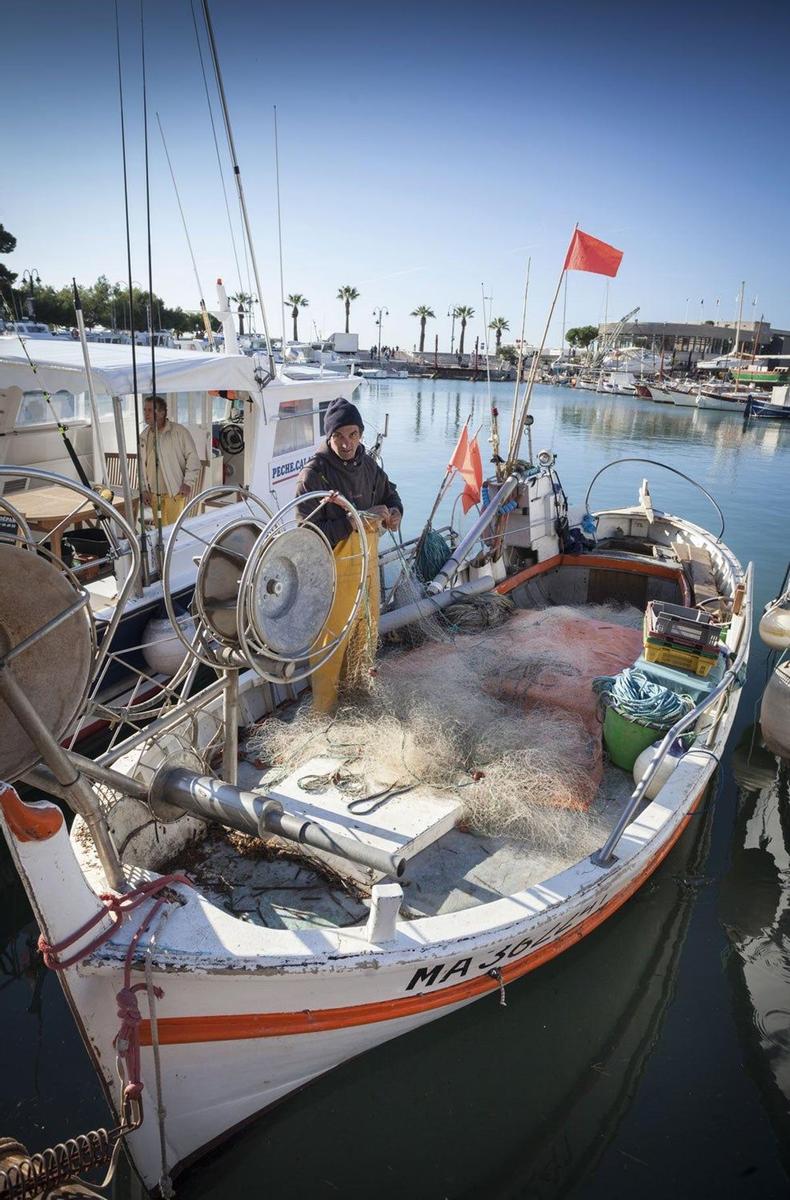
{"x":127,"y":1040}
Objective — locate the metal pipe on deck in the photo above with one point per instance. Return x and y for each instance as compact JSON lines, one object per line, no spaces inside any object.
{"x":464,"y":547}
{"x":428,"y":606}
{"x":214,"y":800}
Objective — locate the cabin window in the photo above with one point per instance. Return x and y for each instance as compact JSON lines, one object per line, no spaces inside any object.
{"x":322,"y":407}
{"x":294,"y":426}
{"x":62,"y":406}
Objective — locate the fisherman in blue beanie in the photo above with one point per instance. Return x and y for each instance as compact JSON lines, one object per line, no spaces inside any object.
{"x":343,"y":465}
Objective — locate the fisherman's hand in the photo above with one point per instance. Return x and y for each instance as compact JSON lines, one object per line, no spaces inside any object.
{"x":146,"y":497}
{"x":394,"y":519}
{"x":381,"y":511}
{"x":184,"y":490}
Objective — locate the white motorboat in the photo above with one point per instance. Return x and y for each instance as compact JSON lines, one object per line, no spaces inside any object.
{"x":400,"y":898}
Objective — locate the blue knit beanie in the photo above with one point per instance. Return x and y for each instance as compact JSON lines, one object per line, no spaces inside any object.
{"x":339,"y":413}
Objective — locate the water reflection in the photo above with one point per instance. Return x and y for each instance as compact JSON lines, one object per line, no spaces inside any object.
{"x":755,"y":910}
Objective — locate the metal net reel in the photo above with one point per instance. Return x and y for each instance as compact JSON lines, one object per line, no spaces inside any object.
{"x":50,"y":654}
{"x":287,"y":592}
{"x":220,"y":565}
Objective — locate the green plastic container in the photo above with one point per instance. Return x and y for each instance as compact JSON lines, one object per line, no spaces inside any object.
{"x":625,"y":740}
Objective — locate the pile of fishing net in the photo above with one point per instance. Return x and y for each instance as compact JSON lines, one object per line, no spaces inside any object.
{"x":506,"y":719}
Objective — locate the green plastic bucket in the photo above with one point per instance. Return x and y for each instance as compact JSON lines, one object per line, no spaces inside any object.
{"x":625,"y":740}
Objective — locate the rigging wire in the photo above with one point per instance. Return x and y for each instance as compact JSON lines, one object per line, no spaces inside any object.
{"x":140,"y":508}
{"x":237,"y":177}
{"x":157,"y":510}
{"x":216,"y":146}
{"x":279,"y":228}
{"x":203,"y":309}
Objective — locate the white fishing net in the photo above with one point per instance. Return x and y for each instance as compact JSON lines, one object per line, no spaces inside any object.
{"x":507,"y":718}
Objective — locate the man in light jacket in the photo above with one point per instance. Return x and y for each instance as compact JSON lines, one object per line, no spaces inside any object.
{"x":170,"y":462}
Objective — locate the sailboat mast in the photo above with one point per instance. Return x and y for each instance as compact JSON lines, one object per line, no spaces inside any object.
{"x":738,"y":329}
{"x":237,"y":177}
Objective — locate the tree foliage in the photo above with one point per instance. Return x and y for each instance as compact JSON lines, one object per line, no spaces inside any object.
{"x":581,"y":335}
{"x":425,"y":313}
{"x":347,"y":293}
{"x":105,"y":304}
{"x":465,"y":313}
{"x":296,"y":301}
{"x":500,"y":326}
{"x":7,"y":246}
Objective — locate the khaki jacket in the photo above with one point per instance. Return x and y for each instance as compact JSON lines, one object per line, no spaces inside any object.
{"x":178,"y":459}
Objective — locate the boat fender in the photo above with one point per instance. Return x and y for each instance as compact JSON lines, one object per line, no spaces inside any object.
{"x":671,"y":760}
{"x":162,"y":649}
{"x":775,"y":627}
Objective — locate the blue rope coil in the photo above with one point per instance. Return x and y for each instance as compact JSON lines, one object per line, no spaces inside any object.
{"x":638,"y":698}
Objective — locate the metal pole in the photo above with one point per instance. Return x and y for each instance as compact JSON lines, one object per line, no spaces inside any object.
{"x":76,"y":789}
{"x":230,"y":716}
{"x":97,"y":437}
{"x":461,"y":552}
{"x":126,"y":487}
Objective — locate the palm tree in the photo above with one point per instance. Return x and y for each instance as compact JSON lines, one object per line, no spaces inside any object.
{"x":347,"y":293}
{"x":424,"y":313}
{"x":465,"y":313}
{"x":244,"y":301}
{"x":296,"y":301}
{"x":499,"y":324}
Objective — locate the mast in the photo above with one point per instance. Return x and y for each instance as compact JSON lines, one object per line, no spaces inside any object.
{"x":239,"y":188}
{"x":738,"y":329}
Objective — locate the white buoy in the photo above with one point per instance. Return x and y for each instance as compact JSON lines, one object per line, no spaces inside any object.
{"x":668,"y":764}
{"x":775,"y":626}
{"x":775,"y":712}
{"x":162,"y":650}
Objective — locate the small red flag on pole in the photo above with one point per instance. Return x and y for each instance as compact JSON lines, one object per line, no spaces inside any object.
{"x":587,"y":253}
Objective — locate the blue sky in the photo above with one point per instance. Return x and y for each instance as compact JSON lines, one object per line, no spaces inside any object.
{"x":425,"y":150}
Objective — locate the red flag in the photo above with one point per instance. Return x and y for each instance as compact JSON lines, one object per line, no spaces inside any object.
{"x":472,"y":474}
{"x":458,"y":457}
{"x":587,"y":253}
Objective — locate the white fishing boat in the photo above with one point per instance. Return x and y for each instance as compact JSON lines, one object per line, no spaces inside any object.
{"x":731,"y":402}
{"x":352,"y":879}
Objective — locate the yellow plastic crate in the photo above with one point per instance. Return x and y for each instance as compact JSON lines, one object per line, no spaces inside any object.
{"x":681,"y":660}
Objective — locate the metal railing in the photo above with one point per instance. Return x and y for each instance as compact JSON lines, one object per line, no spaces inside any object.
{"x":605,"y":856}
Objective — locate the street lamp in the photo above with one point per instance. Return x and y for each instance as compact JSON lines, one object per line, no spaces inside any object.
{"x":380,"y":313}
{"x":32,"y":277}
{"x":452,"y":312}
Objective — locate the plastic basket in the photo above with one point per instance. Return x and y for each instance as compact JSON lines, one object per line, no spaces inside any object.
{"x":689,"y":626}
{"x":681,"y":660}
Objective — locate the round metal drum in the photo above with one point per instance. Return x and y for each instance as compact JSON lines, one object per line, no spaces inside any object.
{"x":292,"y":590}
{"x":54,"y":671}
{"x":219,"y":574}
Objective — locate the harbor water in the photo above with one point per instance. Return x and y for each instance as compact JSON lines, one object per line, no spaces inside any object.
{"x":651,"y":1059}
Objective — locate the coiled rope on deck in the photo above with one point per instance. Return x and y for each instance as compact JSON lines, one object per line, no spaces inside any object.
{"x":638,"y":698}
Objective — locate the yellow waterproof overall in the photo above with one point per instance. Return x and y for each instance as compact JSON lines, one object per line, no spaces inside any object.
{"x":349,"y":667}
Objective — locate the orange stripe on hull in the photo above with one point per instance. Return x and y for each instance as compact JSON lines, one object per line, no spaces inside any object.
{"x":183,"y":1030}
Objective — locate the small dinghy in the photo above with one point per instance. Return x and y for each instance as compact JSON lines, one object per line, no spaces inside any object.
{"x":262,"y":891}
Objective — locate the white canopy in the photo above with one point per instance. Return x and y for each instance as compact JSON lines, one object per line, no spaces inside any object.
{"x":59,"y":365}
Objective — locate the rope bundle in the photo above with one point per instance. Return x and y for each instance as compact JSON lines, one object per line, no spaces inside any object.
{"x":638,"y":698}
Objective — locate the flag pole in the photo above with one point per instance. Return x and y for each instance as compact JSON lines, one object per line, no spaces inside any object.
{"x":533,"y":371}
{"x":520,"y":356}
